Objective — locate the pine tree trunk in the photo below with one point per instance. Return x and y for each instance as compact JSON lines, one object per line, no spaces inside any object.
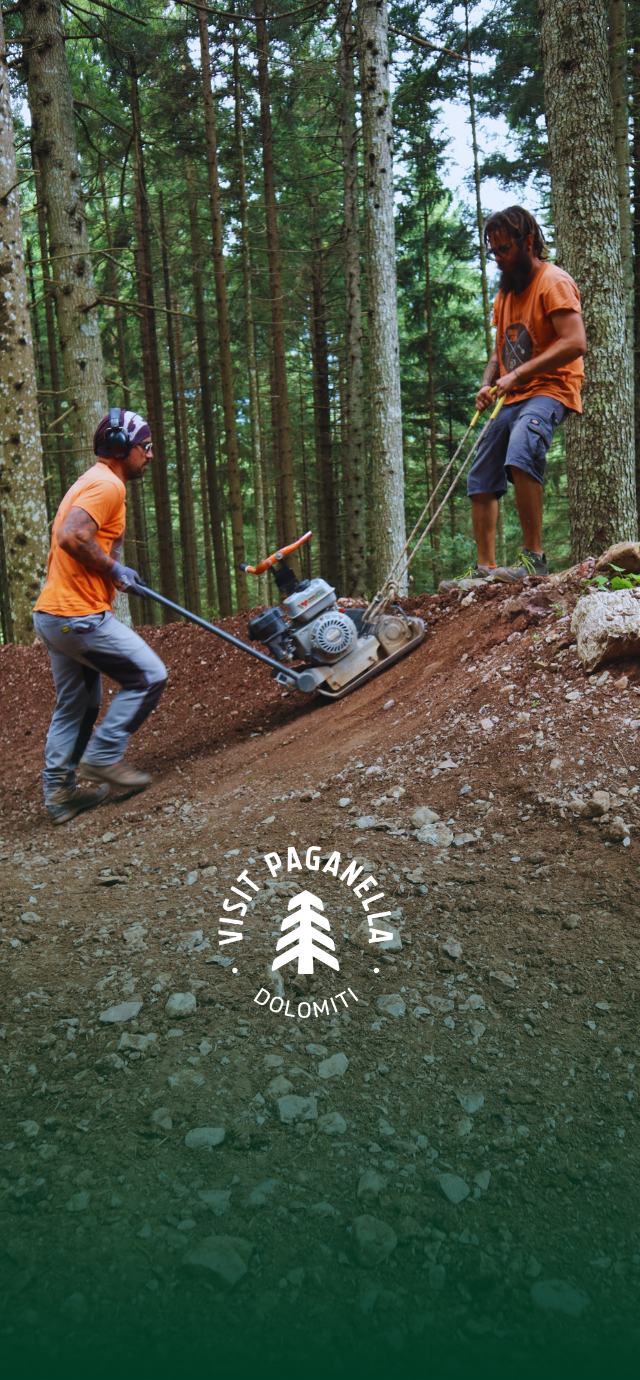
{"x":197,"y":255}
{"x":636,"y":239}
{"x":6,"y":629}
{"x":285,"y":457}
{"x":23,"y":513}
{"x":49,"y":487}
{"x":620,"y":97}
{"x":477,"y":181}
{"x":432,"y":476}
{"x":185,"y":486}
{"x":54,"y":140}
{"x":354,"y":487}
{"x":204,"y":500}
{"x":151,"y":367}
{"x":599,"y":444}
{"x":259,"y":586}
{"x":135,"y":544}
{"x":486,"y":306}
{"x":305,"y":551}
{"x":277,"y":471}
{"x":384,"y":350}
{"x":183,"y":510}
{"x":329,"y":556}
{"x":56,"y":434}
{"x":114,"y":290}
{"x":224,"y":330}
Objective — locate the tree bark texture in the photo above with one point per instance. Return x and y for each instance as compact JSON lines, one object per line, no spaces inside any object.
{"x":54,"y":140}
{"x":432,"y":468}
{"x":204,"y":499}
{"x":305,"y":558}
{"x":23,"y":511}
{"x":620,"y":98}
{"x":636,"y":238}
{"x":135,"y":544}
{"x":208,"y":426}
{"x":222,"y":310}
{"x":384,"y":350}
{"x":56,"y":433}
{"x":259,"y":583}
{"x":353,"y":487}
{"x":185,"y":486}
{"x":285,"y":457}
{"x":281,"y":539}
{"x":50,"y":497}
{"x":584,"y":189}
{"x":114,"y":290}
{"x":326,"y":497}
{"x":151,"y":367}
{"x":190,"y":587}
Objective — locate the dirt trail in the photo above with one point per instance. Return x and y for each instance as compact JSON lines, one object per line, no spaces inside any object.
{"x":501,"y":1069}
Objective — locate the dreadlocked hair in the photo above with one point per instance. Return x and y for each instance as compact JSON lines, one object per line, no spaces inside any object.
{"x":520,"y":223}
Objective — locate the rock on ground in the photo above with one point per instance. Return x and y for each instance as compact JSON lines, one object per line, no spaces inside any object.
{"x":391,"y":1005}
{"x":454,"y":1188}
{"x":371,"y":1185}
{"x":203,"y":1137}
{"x":297,"y":1109}
{"x":226,"y":1257}
{"x":330,"y":1068}
{"x":372,"y":1240}
{"x":556,"y":1296}
{"x":607,"y":627}
{"x":180,"y":1004}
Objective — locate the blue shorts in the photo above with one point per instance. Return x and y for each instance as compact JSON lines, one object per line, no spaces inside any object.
{"x":520,"y":436}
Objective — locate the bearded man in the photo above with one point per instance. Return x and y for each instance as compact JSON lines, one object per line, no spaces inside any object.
{"x":536,"y":366}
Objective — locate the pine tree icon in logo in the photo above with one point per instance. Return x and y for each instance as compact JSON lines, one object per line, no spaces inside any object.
{"x":306,"y":936}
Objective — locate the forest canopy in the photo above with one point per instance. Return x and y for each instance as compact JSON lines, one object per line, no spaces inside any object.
{"x":241,"y":319}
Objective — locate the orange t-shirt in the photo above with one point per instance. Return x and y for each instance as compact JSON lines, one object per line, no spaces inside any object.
{"x":524,"y":330}
{"x":70,"y":589}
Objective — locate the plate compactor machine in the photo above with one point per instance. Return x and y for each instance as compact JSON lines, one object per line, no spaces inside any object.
{"x":340,"y":648}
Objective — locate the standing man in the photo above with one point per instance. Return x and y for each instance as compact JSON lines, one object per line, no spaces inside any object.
{"x":73,"y":619}
{"x":536,"y":366}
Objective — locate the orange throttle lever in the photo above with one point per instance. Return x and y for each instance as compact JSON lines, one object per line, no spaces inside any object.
{"x":267,"y":563}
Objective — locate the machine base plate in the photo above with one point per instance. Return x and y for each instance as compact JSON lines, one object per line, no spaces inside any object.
{"x":373,"y":671}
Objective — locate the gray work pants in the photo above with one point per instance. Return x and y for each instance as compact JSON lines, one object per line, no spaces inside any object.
{"x":80,"y":649}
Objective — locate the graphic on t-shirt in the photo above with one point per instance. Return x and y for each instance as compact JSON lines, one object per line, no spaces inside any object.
{"x":517,"y":347}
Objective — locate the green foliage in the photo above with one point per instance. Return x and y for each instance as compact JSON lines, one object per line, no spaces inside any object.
{"x":624,"y":579}
{"x":431,"y":227}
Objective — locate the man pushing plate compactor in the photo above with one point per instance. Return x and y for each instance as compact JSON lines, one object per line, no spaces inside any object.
{"x":73,"y":619}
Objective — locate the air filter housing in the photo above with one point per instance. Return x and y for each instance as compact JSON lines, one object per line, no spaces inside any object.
{"x":333,"y":635}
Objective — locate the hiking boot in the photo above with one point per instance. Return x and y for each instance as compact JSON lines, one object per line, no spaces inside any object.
{"x":472,"y":576}
{"x":527,"y":563}
{"x":119,"y":774}
{"x":70,"y":801}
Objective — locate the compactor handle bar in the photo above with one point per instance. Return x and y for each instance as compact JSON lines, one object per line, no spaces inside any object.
{"x":294,"y":676}
{"x":268,"y":561}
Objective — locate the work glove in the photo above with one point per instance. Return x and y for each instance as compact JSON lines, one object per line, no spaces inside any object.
{"x":126,"y":579}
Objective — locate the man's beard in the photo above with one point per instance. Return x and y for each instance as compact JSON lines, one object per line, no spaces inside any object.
{"x":516,"y":280}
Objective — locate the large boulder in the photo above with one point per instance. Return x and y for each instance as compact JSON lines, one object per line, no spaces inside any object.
{"x":625,"y":554}
{"x":607,"y":627}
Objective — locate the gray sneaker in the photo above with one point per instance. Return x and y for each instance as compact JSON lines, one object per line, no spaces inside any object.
{"x":526,"y":563}
{"x":472,"y":576}
{"x":116,"y":774}
{"x":70,"y":801}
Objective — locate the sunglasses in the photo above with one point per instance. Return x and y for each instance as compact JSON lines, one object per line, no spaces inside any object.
{"x":503,"y":249}
{"x":147,"y":447}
